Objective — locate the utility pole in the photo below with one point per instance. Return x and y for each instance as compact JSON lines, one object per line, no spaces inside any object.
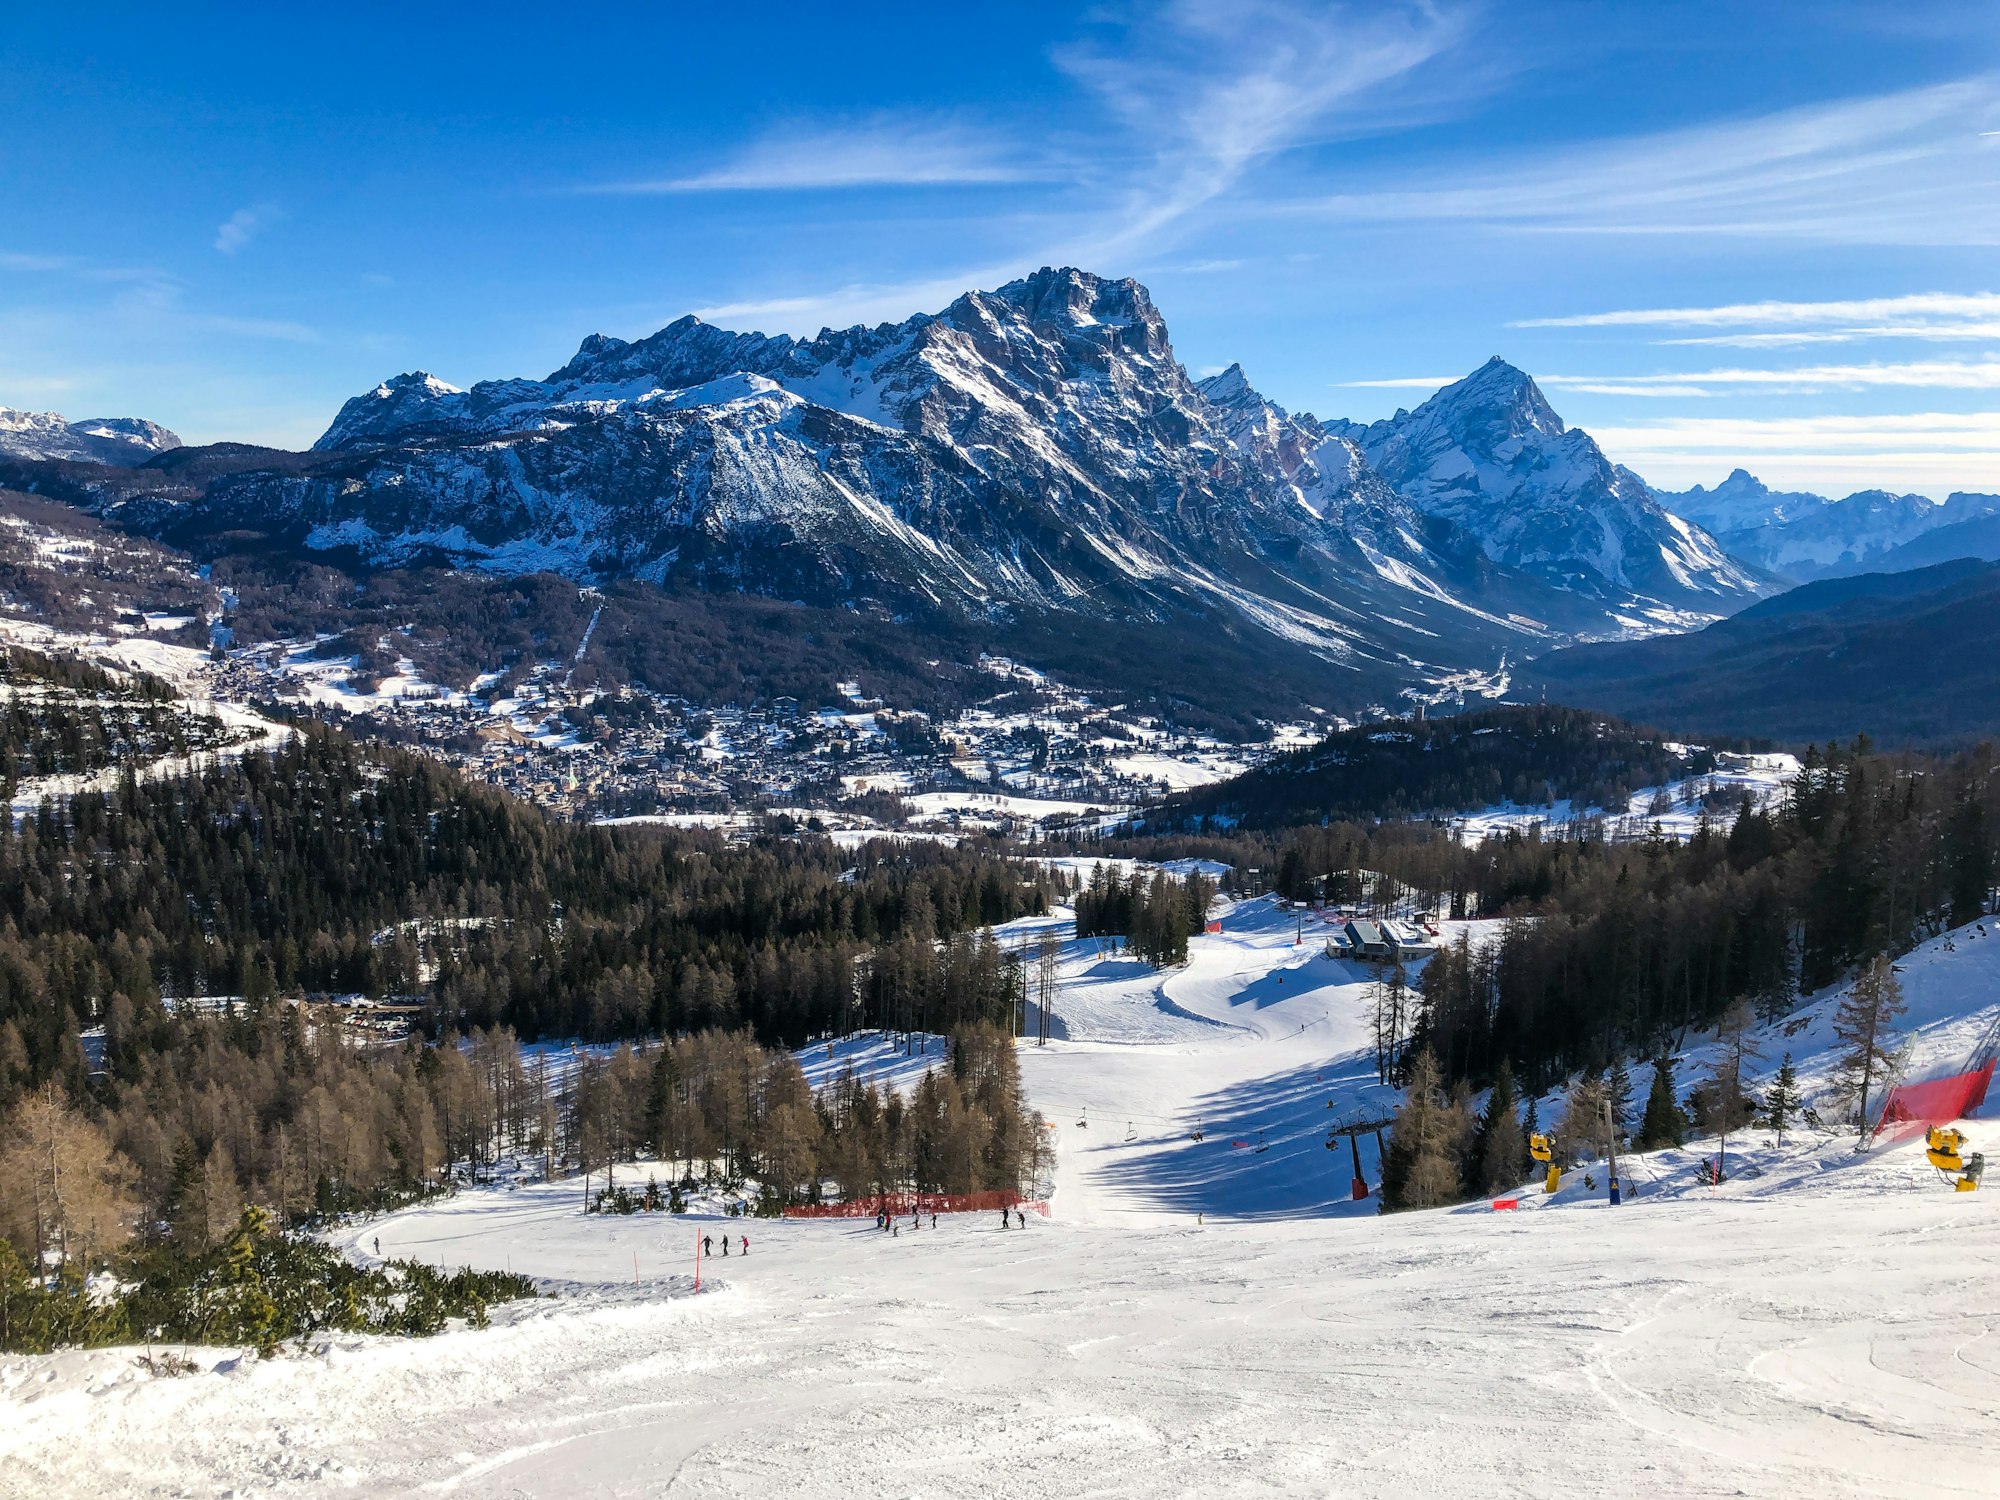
{"x":1611,"y":1150}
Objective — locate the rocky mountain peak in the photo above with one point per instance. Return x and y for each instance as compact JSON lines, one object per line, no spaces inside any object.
{"x":123,"y":441}
{"x":1232,"y":391}
{"x":1497,"y":400}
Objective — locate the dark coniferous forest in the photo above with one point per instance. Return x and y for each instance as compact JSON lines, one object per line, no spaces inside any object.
{"x":1426,"y":768}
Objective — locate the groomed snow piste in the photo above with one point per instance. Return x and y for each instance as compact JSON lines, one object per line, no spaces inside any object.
{"x":1822,"y":1324}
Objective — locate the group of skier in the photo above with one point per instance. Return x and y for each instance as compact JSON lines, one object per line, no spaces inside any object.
{"x":892,"y":1224}
{"x":708,"y":1245}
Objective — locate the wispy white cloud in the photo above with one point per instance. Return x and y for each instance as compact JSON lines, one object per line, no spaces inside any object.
{"x":1958,"y":375}
{"x":1220,"y":86}
{"x":881,"y":151}
{"x":1847,"y":433}
{"x":856,"y":302}
{"x":1400,"y":383}
{"x":1898,"y":168}
{"x":1766,"y":314}
{"x":1935,"y":333}
{"x":1928,"y":452}
{"x":1200,"y":268}
{"x":1197,"y":95}
{"x":236,"y":231}
{"x":15,"y":261}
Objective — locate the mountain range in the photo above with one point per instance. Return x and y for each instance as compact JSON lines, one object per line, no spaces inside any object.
{"x":1800,"y":537}
{"x":123,"y":441}
{"x":1030,"y":469}
{"x":1033,"y":453}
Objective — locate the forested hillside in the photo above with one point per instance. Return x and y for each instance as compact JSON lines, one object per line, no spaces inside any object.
{"x":167,"y":949}
{"x":1419,"y":768}
{"x":326,"y":867}
{"x":1909,"y":658}
{"x":1618,"y":949}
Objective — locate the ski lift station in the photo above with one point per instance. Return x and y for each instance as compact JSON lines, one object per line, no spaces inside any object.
{"x":1378,"y":940}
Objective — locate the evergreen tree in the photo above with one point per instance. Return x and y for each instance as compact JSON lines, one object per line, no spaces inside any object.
{"x":1781,"y":1100}
{"x":1724,"y":1104}
{"x":1664,"y":1124}
{"x":1582,"y":1129}
{"x":1420,"y":1168}
{"x":1500,"y":1152}
{"x":1968,"y":853}
{"x":1618,"y":1089}
{"x":1863,"y":1027}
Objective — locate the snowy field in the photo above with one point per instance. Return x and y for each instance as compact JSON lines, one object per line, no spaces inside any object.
{"x":1675,"y":808}
{"x":1196,"y":1318}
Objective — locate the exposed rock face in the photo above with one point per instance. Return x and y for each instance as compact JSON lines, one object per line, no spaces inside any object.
{"x":1033,"y":448}
{"x":123,"y":441}
{"x":1489,"y":454}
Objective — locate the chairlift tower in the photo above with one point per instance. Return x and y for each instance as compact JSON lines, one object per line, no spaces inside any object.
{"x":1353,"y":1130}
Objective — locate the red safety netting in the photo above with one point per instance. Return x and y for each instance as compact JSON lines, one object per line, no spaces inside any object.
{"x":897,"y":1204}
{"x":1912,"y":1107}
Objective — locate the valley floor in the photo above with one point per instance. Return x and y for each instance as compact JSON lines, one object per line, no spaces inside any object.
{"x":1193,"y":1319}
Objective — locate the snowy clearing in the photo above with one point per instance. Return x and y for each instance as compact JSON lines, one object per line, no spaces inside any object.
{"x":1675,"y":809}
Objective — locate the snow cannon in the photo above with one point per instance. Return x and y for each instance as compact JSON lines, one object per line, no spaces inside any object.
{"x":1541,"y":1148}
{"x":1942,"y":1147}
{"x":1554,"y":1180}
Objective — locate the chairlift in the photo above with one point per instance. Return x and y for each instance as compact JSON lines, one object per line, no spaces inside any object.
{"x":1130,"y":1133}
{"x":1261,"y":1147}
{"x":1196,"y":1133}
{"x":1083,"y":1120}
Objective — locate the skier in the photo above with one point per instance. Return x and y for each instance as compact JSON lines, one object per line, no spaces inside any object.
{"x":1003,"y":1218}
{"x":378,"y":1247}
{"x":708,"y":1244}
{"x":746,"y":1244}
{"x":933,"y":1218}
{"x":725,"y":1247}
{"x":1020,"y":1219}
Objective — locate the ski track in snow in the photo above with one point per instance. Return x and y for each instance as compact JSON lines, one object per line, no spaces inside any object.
{"x":1819,"y":1325}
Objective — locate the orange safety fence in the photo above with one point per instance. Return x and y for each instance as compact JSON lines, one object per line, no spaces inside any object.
{"x":898,"y":1204}
{"x":1912,"y":1107}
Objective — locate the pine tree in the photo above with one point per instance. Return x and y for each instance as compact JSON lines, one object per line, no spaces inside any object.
{"x":1663,"y":1124}
{"x":1618,"y":1089}
{"x":1500,"y":1153}
{"x":1724,"y":1104}
{"x":1420,"y":1169}
{"x":1782,"y":1100}
{"x":1582,"y":1128}
{"x":1863,"y":1026}
{"x":1969,"y":858}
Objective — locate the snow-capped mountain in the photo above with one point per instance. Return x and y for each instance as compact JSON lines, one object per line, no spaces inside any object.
{"x":1741,"y":502}
{"x":1489,"y":454}
{"x":1799,"y":536}
{"x":1865,"y":531}
{"x":1033,"y":448}
{"x":1032,"y":451}
{"x":123,"y":441}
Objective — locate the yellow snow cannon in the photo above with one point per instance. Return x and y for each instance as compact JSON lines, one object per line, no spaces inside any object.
{"x":1541,"y":1148}
{"x":1943,"y":1146}
{"x":1554,"y":1180}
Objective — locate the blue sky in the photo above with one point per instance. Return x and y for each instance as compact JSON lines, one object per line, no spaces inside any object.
{"x":1761,"y":233}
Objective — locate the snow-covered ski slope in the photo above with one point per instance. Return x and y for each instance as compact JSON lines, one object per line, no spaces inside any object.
{"x":1822,"y":1324}
{"x":1247,"y":1044}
